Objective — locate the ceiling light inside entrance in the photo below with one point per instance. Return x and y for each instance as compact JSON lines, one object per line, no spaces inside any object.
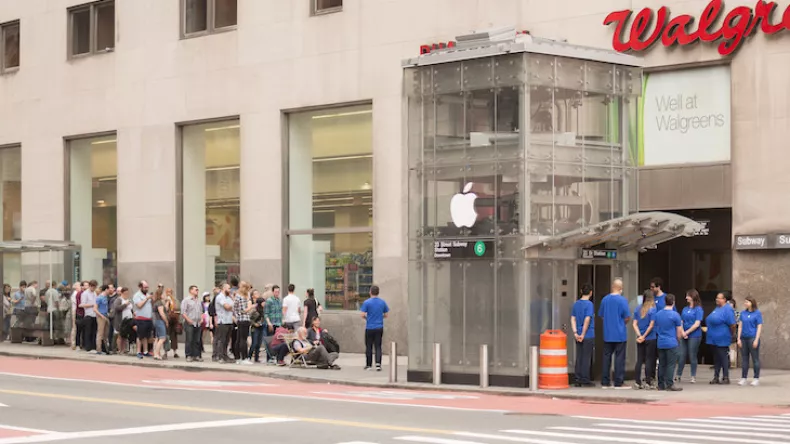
{"x":347,"y":114}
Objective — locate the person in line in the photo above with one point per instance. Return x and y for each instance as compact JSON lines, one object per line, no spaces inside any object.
{"x":616,"y":314}
{"x":6,"y":312}
{"x":123,"y":310}
{"x":257,"y":327}
{"x":112,"y":296}
{"x":161,"y":321}
{"x":315,"y":354}
{"x":692,"y":316}
{"x":312,"y":309}
{"x":669,"y":329}
{"x":273,"y":311}
{"x":88,"y":302}
{"x":144,"y":313}
{"x":719,"y":324}
{"x":292,"y":309}
{"x":32,"y":305}
{"x":279,"y":346}
{"x":191,"y":312}
{"x":242,"y":307}
{"x":583,"y":325}
{"x":732,"y":356}
{"x":750,"y":329}
{"x":657,"y":287}
{"x":374,"y":311}
{"x":18,"y":302}
{"x":224,"y":307}
{"x":173,"y":320}
{"x":102,"y":309}
{"x":52,"y":296}
{"x":646,"y":340}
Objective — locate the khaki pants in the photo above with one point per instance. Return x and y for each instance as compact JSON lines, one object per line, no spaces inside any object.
{"x":101,"y":333}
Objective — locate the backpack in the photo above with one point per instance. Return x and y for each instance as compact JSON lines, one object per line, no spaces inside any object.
{"x":212,"y":308}
{"x":330,"y":343}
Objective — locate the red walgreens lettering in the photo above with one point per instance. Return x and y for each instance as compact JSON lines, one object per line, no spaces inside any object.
{"x":738,"y":24}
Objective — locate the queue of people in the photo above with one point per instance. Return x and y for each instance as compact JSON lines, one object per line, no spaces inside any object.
{"x":665,"y":337}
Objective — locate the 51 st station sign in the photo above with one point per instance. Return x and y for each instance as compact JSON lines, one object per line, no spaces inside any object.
{"x":739,"y":23}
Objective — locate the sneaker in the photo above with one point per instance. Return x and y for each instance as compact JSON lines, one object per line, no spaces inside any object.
{"x":334,"y":367}
{"x":693,"y":380}
{"x":281,"y":363}
{"x":148,"y":355}
{"x":606,"y":386}
{"x":140,"y":356}
{"x":638,"y":386}
{"x":677,"y":379}
{"x":245,"y":362}
{"x":190,"y":359}
{"x":715,"y":381}
{"x":378,"y":368}
{"x":725,"y":381}
{"x":198,"y":359}
{"x":755,"y":383}
{"x":367,"y":368}
{"x":742,"y":382}
{"x":674,"y":389}
{"x":175,"y":355}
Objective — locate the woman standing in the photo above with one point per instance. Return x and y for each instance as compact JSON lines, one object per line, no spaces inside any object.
{"x":242,"y":307}
{"x":160,"y":318}
{"x":719,"y":323}
{"x":102,"y":308}
{"x":123,"y":311}
{"x":6,"y":312}
{"x":173,"y":323}
{"x":312,"y":309}
{"x":750,"y":328}
{"x":692,"y":334}
{"x":256,"y":324}
{"x":646,"y":341}
{"x":206,"y":321}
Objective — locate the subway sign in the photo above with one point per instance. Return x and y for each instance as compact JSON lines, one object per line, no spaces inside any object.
{"x":729,"y":28}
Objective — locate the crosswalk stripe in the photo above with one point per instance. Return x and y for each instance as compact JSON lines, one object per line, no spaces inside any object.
{"x":667,"y":435}
{"x":585,"y":436}
{"x":687,"y":430}
{"x":779,"y":417}
{"x":757,"y":419}
{"x":430,"y":440}
{"x":509,"y":438}
{"x":699,"y":423}
{"x":727,"y":423}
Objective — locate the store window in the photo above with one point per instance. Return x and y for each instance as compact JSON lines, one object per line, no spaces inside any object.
{"x":330,"y":204}
{"x":211,"y":226}
{"x":92,"y":28}
{"x":9,"y":48}
{"x":11,"y":195}
{"x":326,"y":6}
{"x":93,"y":206}
{"x":202,"y":17}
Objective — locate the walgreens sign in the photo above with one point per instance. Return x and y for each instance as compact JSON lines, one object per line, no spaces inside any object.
{"x":650,"y":26}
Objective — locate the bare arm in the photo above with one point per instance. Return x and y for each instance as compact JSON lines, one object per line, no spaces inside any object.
{"x":680,"y":332}
{"x":740,"y":330}
{"x":650,"y":328}
{"x":759,"y":333}
{"x":693,"y":327}
{"x":586,"y":325}
{"x":573,"y":325}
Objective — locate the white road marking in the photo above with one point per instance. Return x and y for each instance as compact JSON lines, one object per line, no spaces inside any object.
{"x":724,"y":424}
{"x":783,"y":422}
{"x":143,"y":430}
{"x":397,"y":395}
{"x":585,"y":436}
{"x":779,"y":417}
{"x":24,"y":429}
{"x":699,"y":423}
{"x":356,"y":442}
{"x":430,"y":440}
{"x":687,"y":430}
{"x":3,"y":405}
{"x":510,"y":438}
{"x":198,"y":383}
{"x":665,"y":435}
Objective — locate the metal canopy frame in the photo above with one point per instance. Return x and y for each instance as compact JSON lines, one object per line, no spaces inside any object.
{"x":635,"y":232}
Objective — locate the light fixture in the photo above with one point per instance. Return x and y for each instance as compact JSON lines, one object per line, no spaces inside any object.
{"x":223,"y":128}
{"x":334,"y":158}
{"x":100,"y":202}
{"x":346,"y":114}
{"x":104,"y":142}
{"x":366,"y":186}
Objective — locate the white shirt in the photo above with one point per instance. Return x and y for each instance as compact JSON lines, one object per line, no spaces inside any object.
{"x":88,"y":297}
{"x":292,"y":303}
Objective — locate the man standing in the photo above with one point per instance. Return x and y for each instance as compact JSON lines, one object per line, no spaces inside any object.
{"x":144,"y":312}
{"x":191,"y":311}
{"x":88,"y":303}
{"x":32,"y":304}
{"x":224,"y":305}
{"x":615,"y":313}
{"x":669,"y":327}
{"x":18,"y":301}
{"x":374,"y":310}
{"x":583,"y":324}
{"x":656,"y":286}
{"x":77,"y":315}
{"x":273,"y":311}
{"x":292,"y":309}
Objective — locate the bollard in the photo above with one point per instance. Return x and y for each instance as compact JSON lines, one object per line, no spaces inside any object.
{"x":437,"y":364}
{"x":533,"y":368}
{"x":393,"y":362}
{"x":484,"y":366}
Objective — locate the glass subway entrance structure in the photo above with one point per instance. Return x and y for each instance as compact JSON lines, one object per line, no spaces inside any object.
{"x":522,"y":159}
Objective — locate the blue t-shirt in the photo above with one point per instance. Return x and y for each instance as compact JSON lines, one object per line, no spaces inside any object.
{"x":661,"y":302}
{"x":581,"y":310}
{"x":103,"y":303}
{"x":614,"y":311}
{"x":667,"y":323}
{"x":20,"y":304}
{"x":375,"y":308}
{"x":719,"y":322}
{"x":690,"y":316}
{"x":750,"y":320}
{"x":643,"y":323}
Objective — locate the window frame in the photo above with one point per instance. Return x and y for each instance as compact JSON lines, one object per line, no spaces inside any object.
{"x":3,"y":28}
{"x":211,"y":28}
{"x":315,"y":12}
{"x":93,"y":33}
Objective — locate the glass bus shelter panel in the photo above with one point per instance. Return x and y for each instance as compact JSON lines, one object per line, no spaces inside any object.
{"x":508,"y":353}
{"x":421,"y":312}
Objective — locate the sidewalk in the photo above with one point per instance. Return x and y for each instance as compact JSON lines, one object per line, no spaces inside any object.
{"x":774,"y":389}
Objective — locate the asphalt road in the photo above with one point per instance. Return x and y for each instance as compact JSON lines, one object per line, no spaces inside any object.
{"x":51,"y":401}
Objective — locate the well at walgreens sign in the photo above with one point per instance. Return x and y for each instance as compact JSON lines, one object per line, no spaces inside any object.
{"x":738,"y":23}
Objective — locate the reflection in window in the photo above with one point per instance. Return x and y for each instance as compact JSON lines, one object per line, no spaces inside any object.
{"x":9,"y":51}
{"x":92,"y":28}
{"x":93,"y":200}
{"x":207,"y":16}
{"x":11,"y":195}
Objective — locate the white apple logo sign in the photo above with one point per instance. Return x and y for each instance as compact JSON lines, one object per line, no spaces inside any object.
{"x":462,"y":208}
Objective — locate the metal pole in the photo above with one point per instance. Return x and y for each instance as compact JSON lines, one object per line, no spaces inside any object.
{"x":393,"y":362}
{"x":484,"y":365}
{"x":533,"y":368}
{"x":437,"y":364}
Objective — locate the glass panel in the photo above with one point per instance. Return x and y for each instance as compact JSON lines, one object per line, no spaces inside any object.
{"x":325,"y":5}
{"x":11,"y":195}
{"x":225,"y":13}
{"x":11,"y":46}
{"x":508,"y":203}
{"x":421,"y":274}
{"x":540,"y":289}
{"x":509,"y":70}
{"x":195,"y":16}
{"x":541,"y":119}
{"x":509,"y":354}
{"x":447,"y":78}
{"x":480,"y":114}
{"x":331,"y":168}
{"x":450,"y":129}
{"x":478,"y":74}
{"x":473,"y":316}
{"x":599,"y":77}
{"x":508,"y":123}
{"x":540,"y":69}
{"x":598,"y":192}
{"x":631,"y":188}
{"x":569,"y":129}
{"x":570,"y":74}
{"x":105,"y":27}
{"x":81,"y":31}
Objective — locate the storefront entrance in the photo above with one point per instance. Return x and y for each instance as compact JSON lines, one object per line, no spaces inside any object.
{"x":599,"y":276}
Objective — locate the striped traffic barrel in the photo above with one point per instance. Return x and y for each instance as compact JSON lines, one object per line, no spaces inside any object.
{"x":553,"y":367}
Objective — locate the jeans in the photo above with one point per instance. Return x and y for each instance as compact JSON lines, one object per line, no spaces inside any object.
{"x":241,"y":340}
{"x":192,"y":338}
{"x":721,"y":362}
{"x":646,"y":356}
{"x":89,"y":328}
{"x":257,"y":341}
{"x":281,"y":351}
{"x":667,"y":360}
{"x":79,"y":326}
{"x":221,"y":340}
{"x":749,"y":350}
{"x":319,"y":356}
{"x":373,"y":340}
{"x":584,"y":354}
{"x":689,"y":348}
{"x":618,"y":350}
{"x":6,"y":327}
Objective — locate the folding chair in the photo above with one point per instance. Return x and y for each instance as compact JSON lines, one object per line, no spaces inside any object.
{"x":297,"y":358}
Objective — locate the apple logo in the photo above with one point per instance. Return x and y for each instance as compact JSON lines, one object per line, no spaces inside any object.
{"x":462,"y":208}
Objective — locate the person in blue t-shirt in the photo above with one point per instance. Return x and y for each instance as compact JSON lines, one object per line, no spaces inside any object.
{"x":616,"y":314}
{"x":719,"y":324}
{"x":692,"y":334}
{"x":644,"y":326}
{"x":656,"y":286}
{"x":374,"y":310}
{"x":669,"y":329}
{"x":583,"y":324}
{"x":750,"y":328}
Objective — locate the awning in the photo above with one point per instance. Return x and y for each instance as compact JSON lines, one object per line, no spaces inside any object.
{"x":32,"y":246}
{"x":635,"y":232}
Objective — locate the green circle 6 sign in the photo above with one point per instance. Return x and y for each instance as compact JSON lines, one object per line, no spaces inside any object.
{"x":480,"y":248}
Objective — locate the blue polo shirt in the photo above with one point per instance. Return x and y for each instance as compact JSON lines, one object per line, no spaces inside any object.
{"x":690,"y":316}
{"x":661,"y":302}
{"x":614,"y":311}
{"x":581,"y":310}
{"x":643,"y":323}
{"x":719,"y":322}
{"x":375,"y":309}
{"x":749,"y":321}
{"x":667,"y":323}
{"x":20,"y":305}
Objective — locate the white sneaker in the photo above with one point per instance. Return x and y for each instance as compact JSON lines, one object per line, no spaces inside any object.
{"x":693,"y":380}
{"x":755,"y":382}
{"x":742,"y":382}
{"x":246,"y":362}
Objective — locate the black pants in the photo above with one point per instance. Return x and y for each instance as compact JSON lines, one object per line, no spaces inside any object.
{"x":234,"y":334}
{"x":222,"y":335}
{"x":281,"y":351}
{"x":668,"y":361}
{"x":646,"y":356}
{"x":373,"y":339}
{"x":192,"y":345}
{"x":721,"y":362}
{"x":79,"y":323}
{"x":616,"y":349}
{"x":584,"y":355}
{"x":89,"y":329}
{"x":241,"y":340}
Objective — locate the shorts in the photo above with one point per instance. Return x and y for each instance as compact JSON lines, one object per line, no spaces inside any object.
{"x":144,"y":328}
{"x":161,"y":329}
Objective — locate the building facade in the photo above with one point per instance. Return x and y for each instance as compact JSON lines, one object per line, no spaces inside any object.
{"x":186,"y":141}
